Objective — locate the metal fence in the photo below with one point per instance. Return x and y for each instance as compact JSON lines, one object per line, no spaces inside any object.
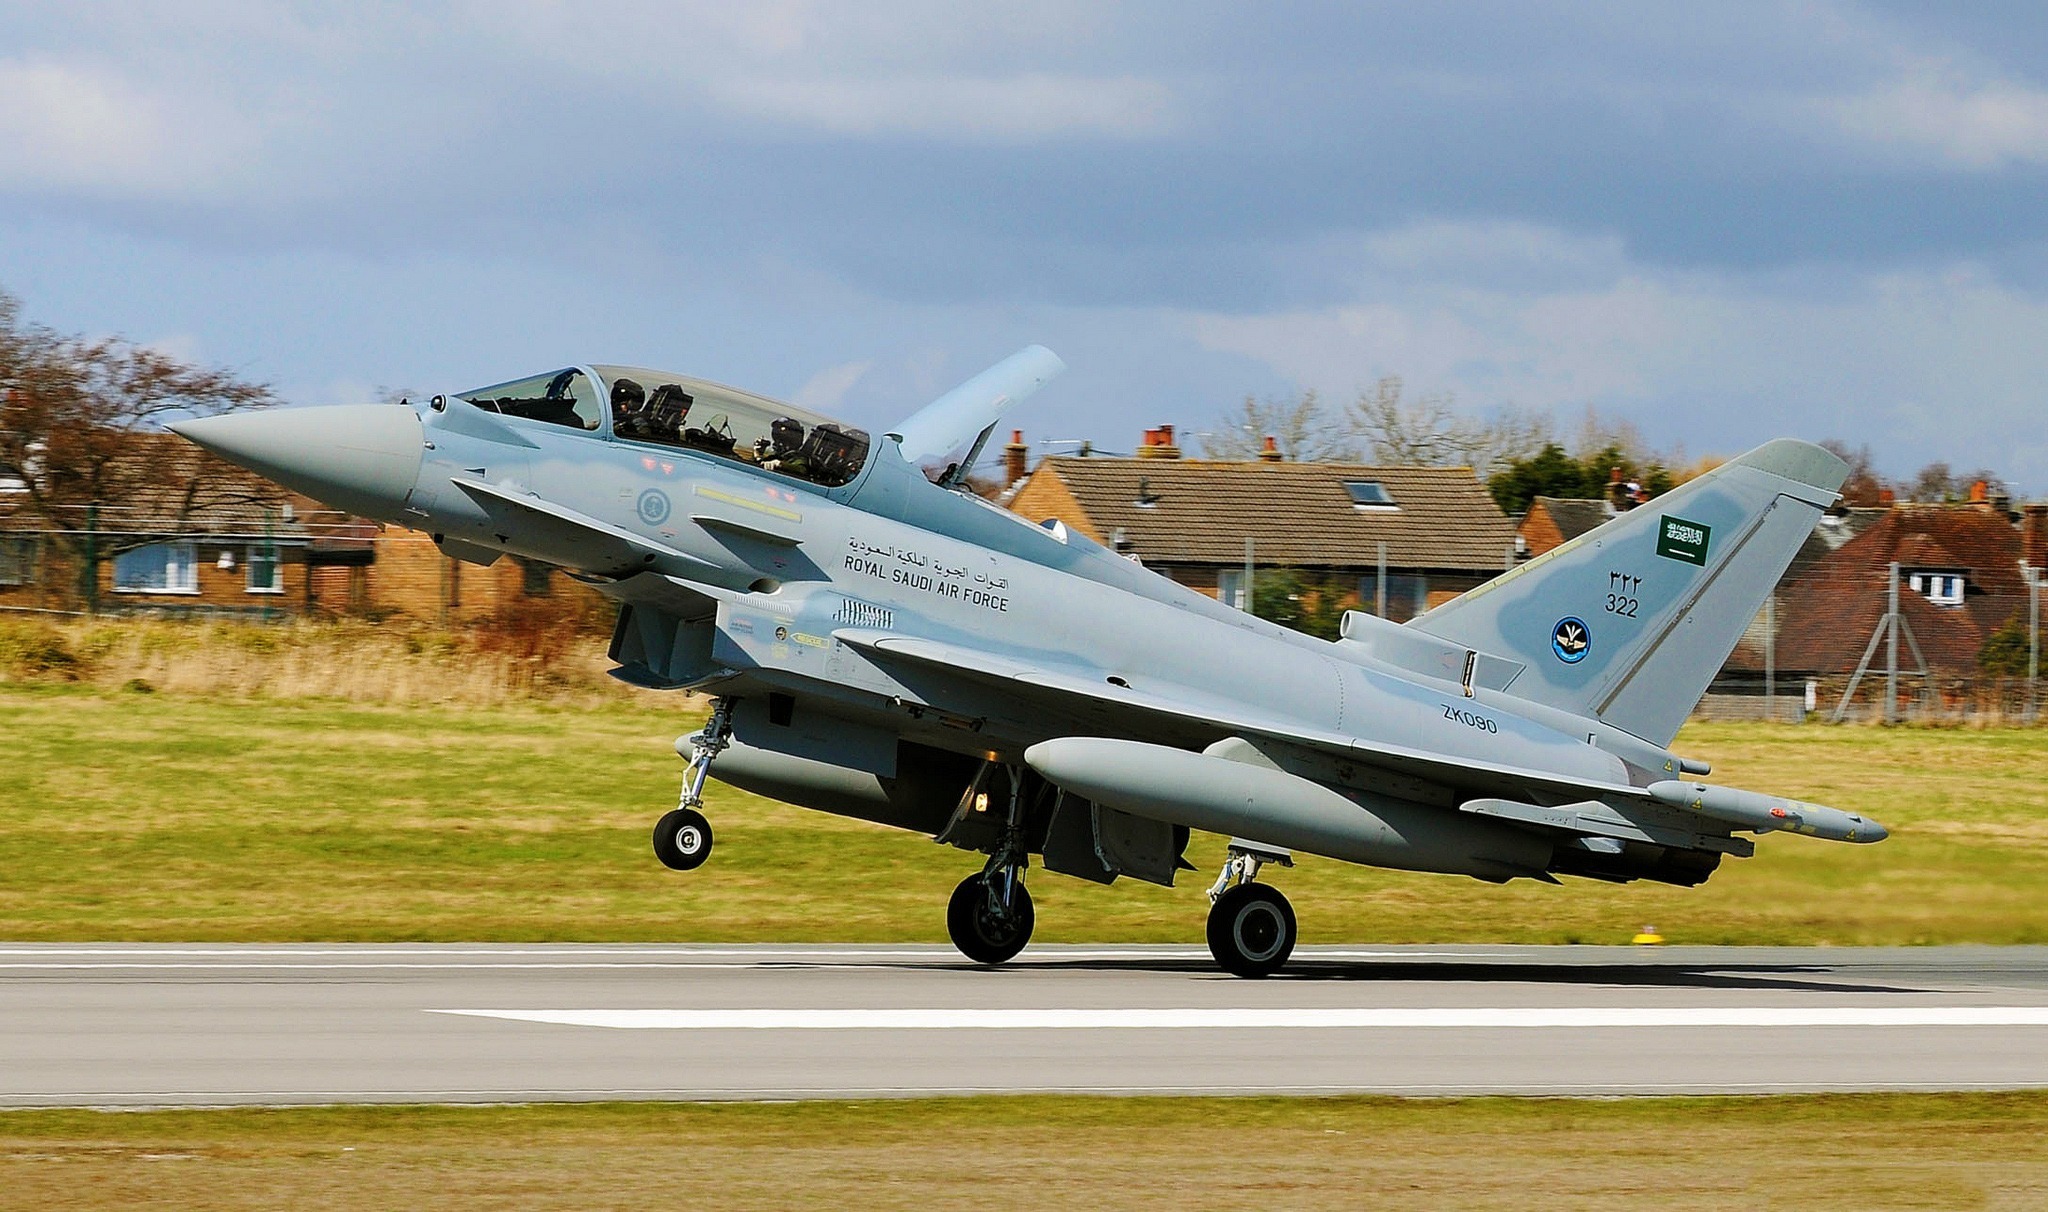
{"x":1921,"y":700}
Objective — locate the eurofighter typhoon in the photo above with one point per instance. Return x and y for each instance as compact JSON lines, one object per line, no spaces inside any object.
{"x":878,"y":642}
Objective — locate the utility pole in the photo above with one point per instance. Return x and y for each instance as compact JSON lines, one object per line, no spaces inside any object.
{"x":1771,"y":656}
{"x":92,"y":558}
{"x":2033,"y":643}
{"x":1380,"y":594}
{"x":1891,"y":649}
{"x":1248,"y":574}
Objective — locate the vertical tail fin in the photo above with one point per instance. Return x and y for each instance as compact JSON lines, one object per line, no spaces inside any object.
{"x":1630,"y":621}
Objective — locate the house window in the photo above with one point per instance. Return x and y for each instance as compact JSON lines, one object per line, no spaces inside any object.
{"x":536,"y":580}
{"x":1369,"y":494}
{"x":266,"y":571}
{"x":1407,"y":594}
{"x":17,"y":561}
{"x":1940,"y":588}
{"x":157,"y":568}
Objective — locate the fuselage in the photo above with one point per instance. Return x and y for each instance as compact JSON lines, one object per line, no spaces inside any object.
{"x":794,"y":567}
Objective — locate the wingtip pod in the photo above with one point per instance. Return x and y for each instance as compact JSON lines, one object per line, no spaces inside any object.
{"x":1761,"y":813}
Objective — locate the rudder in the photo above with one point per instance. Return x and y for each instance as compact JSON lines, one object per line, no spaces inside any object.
{"x":1630,"y":621}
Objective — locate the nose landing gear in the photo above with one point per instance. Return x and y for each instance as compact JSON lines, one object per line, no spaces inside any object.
{"x":1251,"y":926}
{"x":682,"y":837}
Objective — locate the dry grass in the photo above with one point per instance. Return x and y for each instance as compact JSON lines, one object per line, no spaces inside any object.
{"x":1849,"y":1152}
{"x":546,"y":657}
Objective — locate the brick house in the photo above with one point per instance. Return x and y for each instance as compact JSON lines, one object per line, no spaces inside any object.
{"x":1189,"y":519}
{"x":1960,"y":580}
{"x":200,"y":536}
{"x":209,"y":538}
{"x":1552,"y":522}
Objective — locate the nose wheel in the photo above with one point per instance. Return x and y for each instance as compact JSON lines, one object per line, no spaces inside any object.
{"x":682,"y":839}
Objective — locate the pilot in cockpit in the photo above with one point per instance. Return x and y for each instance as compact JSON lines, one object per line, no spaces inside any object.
{"x":782,"y":449}
{"x":628,"y":401}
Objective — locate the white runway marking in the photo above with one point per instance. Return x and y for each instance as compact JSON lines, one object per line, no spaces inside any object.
{"x":261,"y":958}
{"x":1403,"y":1018}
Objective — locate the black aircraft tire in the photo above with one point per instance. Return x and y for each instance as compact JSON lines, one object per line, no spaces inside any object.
{"x":981,"y":935}
{"x":682,"y":839}
{"x":1251,"y":930}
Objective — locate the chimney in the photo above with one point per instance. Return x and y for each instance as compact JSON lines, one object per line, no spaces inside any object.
{"x":1016,"y":457}
{"x":1980,"y":495}
{"x":1886,"y":498}
{"x":1159,"y":444}
{"x":1270,"y":452}
{"x":2034,"y":536}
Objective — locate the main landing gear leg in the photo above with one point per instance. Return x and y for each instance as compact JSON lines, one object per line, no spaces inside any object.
{"x":1251,"y":926}
{"x":990,"y":916}
{"x":682,"y":837}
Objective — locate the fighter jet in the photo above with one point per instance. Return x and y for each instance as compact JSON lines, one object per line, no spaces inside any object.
{"x":879,"y":642}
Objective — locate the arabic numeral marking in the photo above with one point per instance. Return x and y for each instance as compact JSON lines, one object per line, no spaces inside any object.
{"x":1625,"y":607}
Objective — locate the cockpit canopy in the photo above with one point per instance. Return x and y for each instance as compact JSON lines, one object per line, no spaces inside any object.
{"x":559,"y":397}
{"x":666,"y":409}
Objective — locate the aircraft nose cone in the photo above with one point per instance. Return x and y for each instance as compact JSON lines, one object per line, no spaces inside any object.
{"x":1871,"y":831}
{"x":363,"y":458}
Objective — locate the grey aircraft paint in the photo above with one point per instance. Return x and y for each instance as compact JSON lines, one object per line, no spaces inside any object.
{"x":897,"y":649}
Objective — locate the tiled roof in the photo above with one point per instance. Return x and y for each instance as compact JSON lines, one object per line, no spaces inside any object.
{"x":1574,"y":517}
{"x":1827,"y":617}
{"x":1926,"y":551}
{"x":1199,"y":512}
{"x":1829,"y":534}
{"x":189,"y":492}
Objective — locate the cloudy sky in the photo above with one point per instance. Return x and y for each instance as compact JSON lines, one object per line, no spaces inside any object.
{"x":1722,"y":222}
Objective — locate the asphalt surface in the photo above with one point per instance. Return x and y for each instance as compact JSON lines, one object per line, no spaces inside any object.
{"x":138,"y":1025}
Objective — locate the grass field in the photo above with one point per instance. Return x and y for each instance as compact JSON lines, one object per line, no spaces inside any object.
{"x":130,"y":816}
{"x":1846,"y":1152}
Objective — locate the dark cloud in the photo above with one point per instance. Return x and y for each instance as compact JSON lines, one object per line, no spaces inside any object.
{"x":1180,"y":190}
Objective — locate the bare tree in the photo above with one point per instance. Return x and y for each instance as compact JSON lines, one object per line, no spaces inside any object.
{"x":1513,"y":433}
{"x":1598,"y":432}
{"x":1301,"y":428}
{"x":1422,"y":432}
{"x":1429,"y":431}
{"x":1864,"y":488}
{"x":78,"y":418}
{"x":1993,"y":483}
{"x":1934,"y":482}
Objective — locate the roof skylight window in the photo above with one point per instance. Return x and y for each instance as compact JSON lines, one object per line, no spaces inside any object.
{"x":1369,"y":494}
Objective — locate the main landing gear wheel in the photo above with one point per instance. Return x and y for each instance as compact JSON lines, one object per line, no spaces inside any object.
{"x":682,"y":839}
{"x":986,"y":930}
{"x":1251,"y":930}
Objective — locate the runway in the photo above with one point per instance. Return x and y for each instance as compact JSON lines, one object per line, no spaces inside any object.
{"x":179,"y":1025}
